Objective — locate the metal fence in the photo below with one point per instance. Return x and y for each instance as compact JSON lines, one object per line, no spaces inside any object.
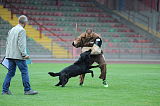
{"x":142,"y":11}
{"x":117,"y":50}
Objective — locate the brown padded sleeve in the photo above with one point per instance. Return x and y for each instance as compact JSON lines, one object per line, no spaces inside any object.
{"x":78,"y":42}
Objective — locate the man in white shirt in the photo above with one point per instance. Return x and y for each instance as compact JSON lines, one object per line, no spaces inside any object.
{"x":16,"y":54}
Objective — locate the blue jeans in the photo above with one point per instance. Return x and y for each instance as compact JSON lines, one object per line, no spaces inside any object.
{"x":12,"y":69}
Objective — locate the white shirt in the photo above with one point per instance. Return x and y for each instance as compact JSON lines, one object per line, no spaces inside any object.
{"x":16,"y":43}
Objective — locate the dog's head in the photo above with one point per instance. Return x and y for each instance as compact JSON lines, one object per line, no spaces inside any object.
{"x":84,"y":58}
{"x":86,"y":55}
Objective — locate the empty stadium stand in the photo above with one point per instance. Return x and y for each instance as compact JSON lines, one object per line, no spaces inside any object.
{"x":63,"y":20}
{"x":57,"y":50}
{"x":34,"y":50}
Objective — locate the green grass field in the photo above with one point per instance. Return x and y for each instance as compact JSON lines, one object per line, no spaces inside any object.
{"x":129,"y":85}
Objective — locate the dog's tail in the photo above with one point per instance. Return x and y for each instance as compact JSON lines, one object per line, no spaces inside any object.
{"x":54,"y":74}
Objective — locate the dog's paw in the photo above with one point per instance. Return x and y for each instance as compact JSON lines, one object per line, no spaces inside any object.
{"x":97,"y":65}
{"x":92,"y":75}
{"x":63,"y":86}
{"x":57,"y":85}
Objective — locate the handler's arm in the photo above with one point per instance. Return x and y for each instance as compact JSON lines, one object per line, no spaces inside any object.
{"x":78,"y":42}
{"x":97,"y":35}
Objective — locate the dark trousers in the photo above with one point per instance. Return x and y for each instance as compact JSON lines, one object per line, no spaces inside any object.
{"x":13,"y":63}
{"x":99,"y":59}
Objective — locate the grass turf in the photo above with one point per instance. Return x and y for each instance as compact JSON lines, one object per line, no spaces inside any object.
{"x":129,"y":85}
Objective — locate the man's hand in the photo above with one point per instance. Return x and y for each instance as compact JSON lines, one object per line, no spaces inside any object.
{"x":73,"y":44}
{"x":26,"y":57}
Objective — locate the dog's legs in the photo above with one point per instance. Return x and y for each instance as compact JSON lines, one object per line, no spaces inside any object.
{"x":90,"y":71}
{"x":59,"y":83}
{"x":83,"y":76}
{"x":93,"y":66}
{"x":82,"y":79}
{"x":65,"y":80}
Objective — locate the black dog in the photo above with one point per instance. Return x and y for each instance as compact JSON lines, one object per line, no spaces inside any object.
{"x":79,"y":67}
